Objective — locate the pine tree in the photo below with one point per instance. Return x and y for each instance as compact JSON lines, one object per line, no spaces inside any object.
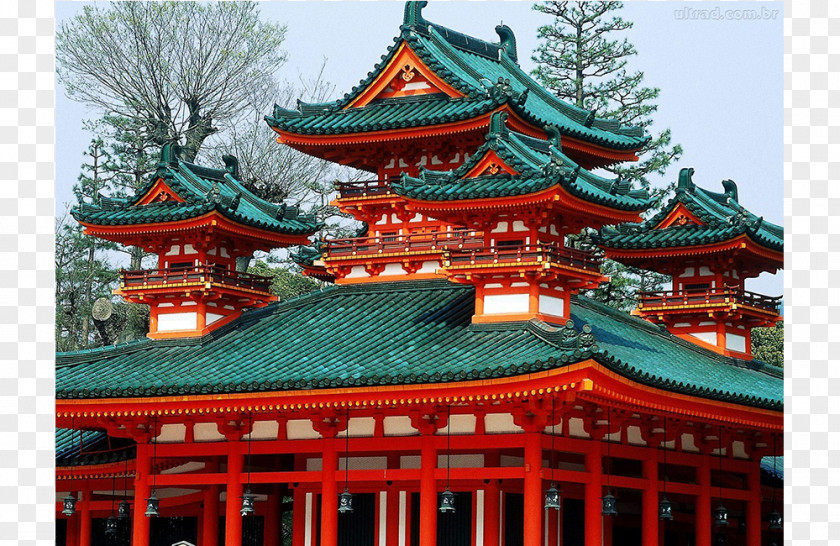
{"x":582,"y":61}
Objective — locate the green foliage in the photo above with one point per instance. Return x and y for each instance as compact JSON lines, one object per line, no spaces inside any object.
{"x":581,"y":60}
{"x":285,"y":283}
{"x":768,"y":344}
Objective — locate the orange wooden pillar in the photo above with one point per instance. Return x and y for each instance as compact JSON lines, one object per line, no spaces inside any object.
{"x":532,"y":490}
{"x":140,"y":525}
{"x":298,"y":517}
{"x":703,"y":506}
{"x":233,"y":497}
{"x":210,"y":516}
{"x":650,"y":500}
{"x":592,"y":496}
{"x":428,"y":491}
{"x":754,"y":506}
{"x":329,"y":494}
{"x":85,"y":519}
{"x":491,"y":504}
{"x":73,"y":531}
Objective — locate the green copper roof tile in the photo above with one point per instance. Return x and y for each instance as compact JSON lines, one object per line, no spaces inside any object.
{"x":203,"y":189}
{"x":724,"y":219}
{"x":540,"y":165}
{"x":486,"y":73}
{"x":335,"y":338}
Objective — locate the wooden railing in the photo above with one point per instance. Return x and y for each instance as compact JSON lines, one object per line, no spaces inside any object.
{"x":404,"y":243}
{"x":191,"y":274}
{"x":363,"y":188}
{"x":544,"y":252}
{"x":705,"y":296}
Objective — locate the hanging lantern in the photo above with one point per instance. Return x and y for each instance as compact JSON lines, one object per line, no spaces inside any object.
{"x":721,"y":516}
{"x":69,"y":505}
{"x":665,"y":509}
{"x":111,"y":526}
{"x":552,"y":497}
{"x":775,"y":521}
{"x":152,"y":506}
{"x":345,"y":502}
{"x":608,"y":505}
{"x":124,"y":510}
{"x":247,"y":503}
{"x":447,"y":502}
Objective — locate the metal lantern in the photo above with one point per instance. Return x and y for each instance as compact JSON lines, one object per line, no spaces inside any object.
{"x":775,"y":521}
{"x":111,"y":526}
{"x":608,"y":505}
{"x":552,"y":498}
{"x":69,"y":505}
{"x":721,"y":516}
{"x":665,"y":509}
{"x":152,"y":506}
{"x":124,"y":510}
{"x":447,"y":502}
{"x":345,"y":502}
{"x":247,"y":503}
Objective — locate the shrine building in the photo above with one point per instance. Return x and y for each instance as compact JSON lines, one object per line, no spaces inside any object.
{"x":450,"y":384}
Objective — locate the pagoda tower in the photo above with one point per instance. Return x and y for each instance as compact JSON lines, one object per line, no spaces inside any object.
{"x":709,"y":244}
{"x":480,"y":174}
{"x":198,"y":221}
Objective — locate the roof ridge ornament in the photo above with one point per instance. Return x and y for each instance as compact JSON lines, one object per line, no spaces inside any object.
{"x":497,"y":124}
{"x":170,"y":154}
{"x":412,"y":14}
{"x":553,"y":133}
{"x":730,"y":189}
{"x":590,"y":119}
{"x":231,"y":165}
{"x":684,"y":181}
{"x":507,"y":41}
{"x":215,"y":194}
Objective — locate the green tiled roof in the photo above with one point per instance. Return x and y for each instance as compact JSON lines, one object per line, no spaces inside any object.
{"x":334,"y":338}
{"x":203,"y":189}
{"x":74,"y":447}
{"x":540,"y":164}
{"x":487,"y":73}
{"x":724,"y":219}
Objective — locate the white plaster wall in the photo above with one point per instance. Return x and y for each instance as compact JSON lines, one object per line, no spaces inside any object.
{"x":461,"y":424}
{"x":688,"y":443}
{"x":168,"y":322}
{"x":470,"y":460}
{"x":634,"y":436}
{"x":393,"y":269}
{"x":497,"y":423}
{"x":550,"y":305}
{"x":213,"y":317}
{"x":360,"y":427}
{"x":301,"y":429}
{"x":734,"y":342}
{"x":505,"y":303}
{"x":207,"y":432}
{"x":357,"y":271}
{"x":264,"y":430}
{"x":398,"y":426}
{"x":708,"y":337}
{"x":576,"y":428}
{"x":428,"y":267}
{"x":174,"y":433}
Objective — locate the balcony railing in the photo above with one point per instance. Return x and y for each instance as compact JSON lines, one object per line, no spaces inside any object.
{"x":364,"y":188}
{"x":194,"y":274}
{"x":707,"y":296}
{"x":384,"y":244}
{"x":547,"y":253}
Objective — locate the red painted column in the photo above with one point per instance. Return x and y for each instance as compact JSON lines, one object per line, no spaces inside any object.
{"x":703,"y":506}
{"x":140,"y":525}
{"x":73,"y":531}
{"x":298,"y":517}
{"x":754,"y":506}
{"x":392,"y":513}
{"x":428,"y":491}
{"x":273,"y":518}
{"x":491,"y":504}
{"x":329,"y":495}
{"x":532,"y":491}
{"x":85,"y":519}
{"x":210,"y":516}
{"x":233,"y":500}
{"x":592,"y":496}
{"x":650,"y":500}
{"x":553,"y":525}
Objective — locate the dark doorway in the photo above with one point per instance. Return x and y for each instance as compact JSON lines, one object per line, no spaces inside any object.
{"x":359,"y":527}
{"x":573,"y":521}
{"x":452,"y":529}
{"x":252,"y":531}
{"x":60,"y":532}
{"x":514,"y":513}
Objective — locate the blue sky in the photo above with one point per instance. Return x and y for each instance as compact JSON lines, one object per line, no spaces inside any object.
{"x":721,"y":80}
